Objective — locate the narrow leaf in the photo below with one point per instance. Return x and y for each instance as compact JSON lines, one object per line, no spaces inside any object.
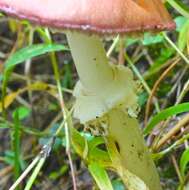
{"x":183,"y":37}
{"x":182,"y":8}
{"x":171,"y":111}
{"x":30,"y":52}
{"x":184,"y":161}
{"x":101,"y":177}
{"x":15,"y":138}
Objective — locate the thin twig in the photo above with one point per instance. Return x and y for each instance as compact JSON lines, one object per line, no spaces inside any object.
{"x":176,"y":48}
{"x":157,"y":83}
{"x":171,"y":147}
{"x":5,"y":171}
{"x":177,"y":169}
{"x":173,"y":131}
{"x":116,"y":40}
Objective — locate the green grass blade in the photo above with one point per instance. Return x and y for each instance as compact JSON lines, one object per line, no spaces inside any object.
{"x":101,"y":177}
{"x":180,"y":7}
{"x":171,"y":111}
{"x":30,"y":52}
{"x":184,"y":161}
{"x":34,"y":174}
{"x":15,"y":141}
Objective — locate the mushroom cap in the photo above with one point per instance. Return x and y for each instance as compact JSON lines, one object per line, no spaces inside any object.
{"x":100,"y":16}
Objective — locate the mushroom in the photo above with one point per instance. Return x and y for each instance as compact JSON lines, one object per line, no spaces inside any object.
{"x":106,"y":94}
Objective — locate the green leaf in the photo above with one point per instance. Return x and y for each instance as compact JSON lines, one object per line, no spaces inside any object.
{"x":150,"y":39}
{"x":54,"y":175}
{"x":165,"y":55}
{"x":101,"y":177}
{"x":9,"y":157}
{"x":15,"y":140}
{"x":184,"y":161}
{"x":130,"y":41}
{"x":30,"y":52}
{"x":183,"y":36}
{"x":171,"y":111}
{"x":23,"y":112}
{"x":4,"y":125}
{"x":78,"y":141}
{"x":180,"y":21}
{"x":95,"y":154}
{"x":95,"y":142}
{"x":142,"y":99}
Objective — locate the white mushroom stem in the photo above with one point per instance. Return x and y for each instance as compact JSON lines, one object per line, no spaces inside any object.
{"x":90,"y":60}
{"x":104,"y":95}
{"x":139,"y":171}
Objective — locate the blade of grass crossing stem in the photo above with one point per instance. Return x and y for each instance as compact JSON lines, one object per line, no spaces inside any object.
{"x":101,"y":177}
{"x":171,"y":111}
{"x":35,"y":173}
{"x":15,"y":140}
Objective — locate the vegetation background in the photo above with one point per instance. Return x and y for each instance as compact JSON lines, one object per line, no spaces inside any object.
{"x":36,"y":62}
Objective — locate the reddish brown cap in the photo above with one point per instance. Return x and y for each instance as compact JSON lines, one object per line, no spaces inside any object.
{"x":101,"y":16}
